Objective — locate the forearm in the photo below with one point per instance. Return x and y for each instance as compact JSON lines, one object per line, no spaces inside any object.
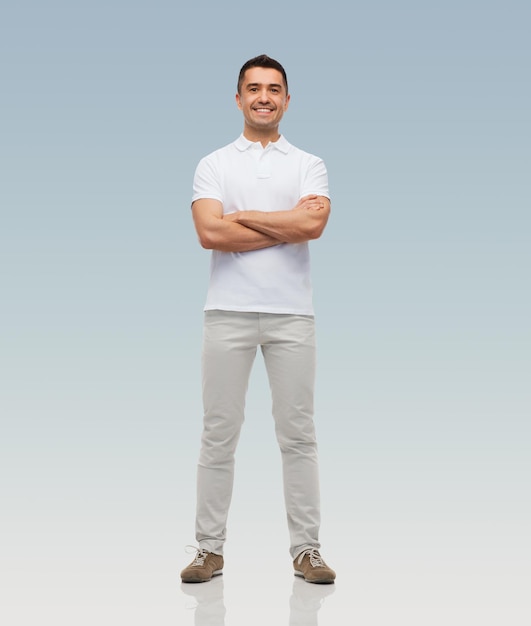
{"x":278,"y":225}
{"x":216,"y":233}
{"x":228,"y":236}
{"x":303,"y":223}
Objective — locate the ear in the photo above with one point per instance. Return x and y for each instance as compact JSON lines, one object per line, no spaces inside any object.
{"x":238,"y":101}
{"x":286,"y":104}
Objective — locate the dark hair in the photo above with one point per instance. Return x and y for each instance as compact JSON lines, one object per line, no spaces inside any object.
{"x":262,"y":61}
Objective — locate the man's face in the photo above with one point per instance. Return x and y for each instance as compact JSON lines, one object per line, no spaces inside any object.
{"x":262,"y":98}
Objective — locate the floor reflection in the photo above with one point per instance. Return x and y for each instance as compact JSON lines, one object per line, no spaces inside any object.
{"x":304,"y":604}
{"x":210,"y":608}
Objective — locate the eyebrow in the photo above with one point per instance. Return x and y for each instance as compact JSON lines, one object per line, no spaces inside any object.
{"x":249,"y":85}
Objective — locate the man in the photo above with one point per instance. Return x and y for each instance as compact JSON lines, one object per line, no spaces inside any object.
{"x":256,"y":204}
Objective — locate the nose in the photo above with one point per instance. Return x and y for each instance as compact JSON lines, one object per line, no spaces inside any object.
{"x":264,"y":97}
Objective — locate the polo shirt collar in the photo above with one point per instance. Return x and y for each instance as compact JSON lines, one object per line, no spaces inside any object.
{"x":243,"y":144}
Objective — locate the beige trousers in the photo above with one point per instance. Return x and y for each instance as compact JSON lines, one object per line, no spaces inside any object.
{"x":230,"y":342}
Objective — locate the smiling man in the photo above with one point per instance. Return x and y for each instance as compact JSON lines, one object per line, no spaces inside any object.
{"x":256,"y":204}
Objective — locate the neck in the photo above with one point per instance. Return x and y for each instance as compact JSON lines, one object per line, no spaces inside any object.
{"x":263,"y":136}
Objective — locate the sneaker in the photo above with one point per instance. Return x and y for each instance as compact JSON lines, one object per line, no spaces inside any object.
{"x":203,"y":567}
{"x":310,"y":566}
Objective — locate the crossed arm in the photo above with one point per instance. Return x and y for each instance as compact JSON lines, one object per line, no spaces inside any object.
{"x":252,"y":230}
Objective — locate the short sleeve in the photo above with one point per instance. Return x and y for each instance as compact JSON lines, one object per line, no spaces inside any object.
{"x":316,"y":179}
{"x":206,"y":181}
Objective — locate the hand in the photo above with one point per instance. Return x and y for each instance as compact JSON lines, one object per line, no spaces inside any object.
{"x":310,"y":203}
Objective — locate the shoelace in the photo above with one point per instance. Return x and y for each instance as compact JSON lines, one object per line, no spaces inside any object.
{"x":200,"y":556}
{"x":315,"y":558}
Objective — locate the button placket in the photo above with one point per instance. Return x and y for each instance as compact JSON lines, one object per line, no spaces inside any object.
{"x":264,"y":164}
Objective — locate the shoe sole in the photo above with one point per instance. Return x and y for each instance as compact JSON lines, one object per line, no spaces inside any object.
{"x":322,"y":581}
{"x":202,"y":580}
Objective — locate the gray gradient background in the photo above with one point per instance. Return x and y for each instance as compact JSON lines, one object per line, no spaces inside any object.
{"x":421,"y":112}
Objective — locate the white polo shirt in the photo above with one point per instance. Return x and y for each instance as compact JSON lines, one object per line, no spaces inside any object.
{"x":245,"y":176}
